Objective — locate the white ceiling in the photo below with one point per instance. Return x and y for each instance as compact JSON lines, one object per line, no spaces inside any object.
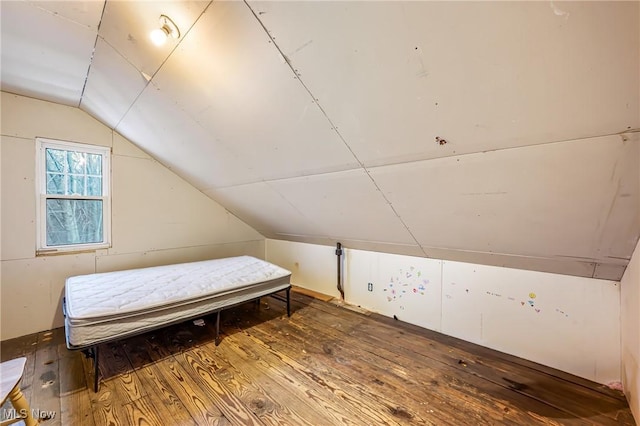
{"x":318,"y":121}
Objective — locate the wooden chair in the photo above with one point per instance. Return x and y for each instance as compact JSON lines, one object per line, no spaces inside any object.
{"x":10,"y":374}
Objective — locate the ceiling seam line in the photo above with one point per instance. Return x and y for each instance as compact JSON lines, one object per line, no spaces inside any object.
{"x":306,"y":88}
{"x":603,"y":135}
{"x":161,"y":65}
{"x":93,"y":54}
{"x":333,"y":126}
{"x":397,"y":163}
{"x":531,"y":145}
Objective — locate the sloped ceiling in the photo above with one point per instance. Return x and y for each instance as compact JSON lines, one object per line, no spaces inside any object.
{"x":502,"y":133}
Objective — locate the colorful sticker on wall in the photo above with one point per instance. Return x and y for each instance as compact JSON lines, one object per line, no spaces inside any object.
{"x":411,"y":278}
{"x":531,"y":302}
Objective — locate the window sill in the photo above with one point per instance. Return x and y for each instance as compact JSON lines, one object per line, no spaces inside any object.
{"x":68,"y":250}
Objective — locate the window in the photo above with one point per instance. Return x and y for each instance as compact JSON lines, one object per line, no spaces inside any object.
{"x":73,"y":196}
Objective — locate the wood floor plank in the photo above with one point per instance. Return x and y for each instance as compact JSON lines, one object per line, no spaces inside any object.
{"x":230,"y":405}
{"x":163,"y":397}
{"x":311,"y":293}
{"x":490,"y":354}
{"x":578,"y":401}
{"x":324,"y":408}
{"x":326,"y":364}
{"x":427,"y":397}
{"x":258,"y":399}
{"x":106,"y":405}
{"x":388,"y":407}
{"x":327,"y":390}
{"x":200,"y":408}
{"x":116,"y":369}
{"x":146,"y":411}
{"x":470,"y":348}
{"x":295,"y":397}
{"x":544,"y":385}
{"x":367,"y":332}
{"x":293,"y":400}
{"x":75,"y":402}
{"x":45,"y":399}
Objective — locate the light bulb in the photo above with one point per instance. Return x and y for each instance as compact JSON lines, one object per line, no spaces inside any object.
{"x":159,"y":36}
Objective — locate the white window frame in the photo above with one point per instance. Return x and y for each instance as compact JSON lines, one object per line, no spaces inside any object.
{"x":41,"y":195}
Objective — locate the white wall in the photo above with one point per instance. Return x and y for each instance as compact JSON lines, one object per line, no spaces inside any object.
{"x":543,"y":317}
{"x":312,"y":266}
{"x":157,"y":217}
{"x":630,"y":313}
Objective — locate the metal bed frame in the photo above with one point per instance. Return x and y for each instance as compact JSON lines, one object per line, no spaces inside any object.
{"x":91,"y":351}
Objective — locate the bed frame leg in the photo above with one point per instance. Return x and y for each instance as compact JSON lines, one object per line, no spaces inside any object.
{"x":217,"y":341}
{"x":96,"y":371}
{"x":288,"y":301}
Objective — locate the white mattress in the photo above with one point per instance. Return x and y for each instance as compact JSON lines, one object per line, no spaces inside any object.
{"x":106,"y":306}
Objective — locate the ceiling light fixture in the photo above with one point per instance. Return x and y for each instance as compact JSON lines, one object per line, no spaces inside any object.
{"x":167,"y":28}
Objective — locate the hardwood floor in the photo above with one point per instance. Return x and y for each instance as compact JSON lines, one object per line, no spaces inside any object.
{"x":325,"y":365}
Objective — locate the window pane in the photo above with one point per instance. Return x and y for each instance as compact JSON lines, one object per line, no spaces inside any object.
{"x":55,"y":160}
{"x":77,"y":161}
{"x":74,"y":222}
{"x":94,"y":164}
{"x":94,"y":186}
{"x":55,"y":183}
{"x":76,"y":185}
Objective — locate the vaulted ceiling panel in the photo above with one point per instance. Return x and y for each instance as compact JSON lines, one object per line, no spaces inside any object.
{"x":112,"y":86}
{"x":47,"y":48}
{"x":244,"y":93}
{"x":162,"y":128}
{"x":262,"y":207}
{"x":550,"y":201}
{"x":393,"y":76}
{"x":84,"y":13}
{"x":319,"y":121}
{"x":344,"y":205}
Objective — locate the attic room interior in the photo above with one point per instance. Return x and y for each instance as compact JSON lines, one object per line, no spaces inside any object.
{"x":421,"y":212}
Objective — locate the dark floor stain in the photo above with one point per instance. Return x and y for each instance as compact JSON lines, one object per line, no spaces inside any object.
{"x":327,"y":349}
{"x":48,"y":376}
{"x":378,"y":382}
{"x":343,"y":361}
{"x":400,"y":412}
{"x":434,"y":383}
{"x":319,"y":380}
{"x":258,"y":404}
{"x":224,"y":374}
{"x":515,"y":385}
